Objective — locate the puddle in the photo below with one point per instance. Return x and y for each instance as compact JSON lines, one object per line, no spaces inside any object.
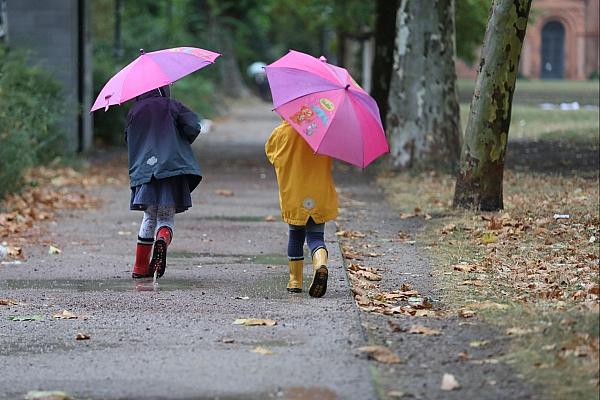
{"x":266,"y":259}
{"x":272,"y":286}
{"x":234,"y":218}
{"x":293,"y":393}
{"x":268,"y":343}
{"x":123,"y":285}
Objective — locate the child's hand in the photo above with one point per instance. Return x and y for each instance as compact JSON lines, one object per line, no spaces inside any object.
{"x":205,"y":126}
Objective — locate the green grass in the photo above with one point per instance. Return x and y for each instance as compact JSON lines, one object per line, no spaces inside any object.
{"x":536,"y":92}
{"x":533,"y":123}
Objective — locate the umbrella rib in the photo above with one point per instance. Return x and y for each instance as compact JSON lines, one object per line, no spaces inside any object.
{"x":337,"y":81}
{"x":321,"y":142}
{"x":308,"y":94}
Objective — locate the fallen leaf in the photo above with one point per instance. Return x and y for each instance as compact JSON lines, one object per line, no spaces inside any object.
{"x":64,"y":314}
{"x":485,"y":361}
{"x":395,"y":394}
{"x":420,"y":302}
{"x":25,"y":318}
{"x":270,"y":218}
{"x":405,"y":287}
{"x":516,"y":331}
{"x":82,"y":336}
{"x":381,"y":354}
{"x":479,"y":343}
{"x":369,"y":275}
{"x":466,"y":313}
{"x":448,"y":229}
{"x":9,"y":302}
{"x":464,"y":356}
{"x":425,"y":313}
{"x":54,"y":250}
{"x":449,"y":382}
{"x":489,"y":237}
{"x":423,"y":330}
{"x":350,"y":234}
{"x":472,"y":282}
{"x":224,"y":192}
{"x":262,"y":350}
{"x":14,"y":251}
{"x":407,"y":216}
{"x":254,"y":322}
{"x":484,"y":305}
{"x":227,"y":340}
{"x":47,"y":395}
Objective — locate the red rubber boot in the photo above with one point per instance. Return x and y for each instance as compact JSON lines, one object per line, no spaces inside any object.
{"x":159,"y":256}
{"x":141,"y":266}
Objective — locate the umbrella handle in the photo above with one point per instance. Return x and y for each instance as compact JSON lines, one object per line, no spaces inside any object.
{"x":107,"y":98}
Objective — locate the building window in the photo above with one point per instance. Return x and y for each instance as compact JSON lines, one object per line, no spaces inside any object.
{"x":553,"y":51}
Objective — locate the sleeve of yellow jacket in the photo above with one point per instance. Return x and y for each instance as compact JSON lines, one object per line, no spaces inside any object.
{"x":305,"y":180}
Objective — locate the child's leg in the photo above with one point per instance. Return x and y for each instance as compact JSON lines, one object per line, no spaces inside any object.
{"x":315,"y":239}
{"x":141,"y":266}
{"x":296,"y":257}
{"x":165,"y":222}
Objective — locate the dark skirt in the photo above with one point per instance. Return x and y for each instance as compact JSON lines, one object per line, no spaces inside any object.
{"x":174,"y":191}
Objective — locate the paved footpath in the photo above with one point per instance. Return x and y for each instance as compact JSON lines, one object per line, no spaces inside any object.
{"x":179,"y":342}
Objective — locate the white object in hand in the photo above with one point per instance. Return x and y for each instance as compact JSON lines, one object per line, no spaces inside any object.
{"x":205,"y":125}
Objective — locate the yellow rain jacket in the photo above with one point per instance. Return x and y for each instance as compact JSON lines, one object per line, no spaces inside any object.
{"x":306,"y":187}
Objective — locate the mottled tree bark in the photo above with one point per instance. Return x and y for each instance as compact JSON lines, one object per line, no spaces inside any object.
{"x":232,"y":83}
{"x":423,"y":117}
{"x":479,"y":182}
{"x":385,"y":33}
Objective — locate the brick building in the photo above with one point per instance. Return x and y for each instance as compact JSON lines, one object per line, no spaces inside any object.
{"x":561,"y":42}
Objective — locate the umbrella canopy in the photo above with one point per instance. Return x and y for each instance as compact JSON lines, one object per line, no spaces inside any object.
{"x":150,"y":71}
{"x":327,"y":108}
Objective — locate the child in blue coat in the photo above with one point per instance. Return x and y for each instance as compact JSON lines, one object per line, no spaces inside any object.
{"x":163,"y":172}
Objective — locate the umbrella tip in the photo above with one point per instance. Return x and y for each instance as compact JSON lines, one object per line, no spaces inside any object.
{"x":142,"y":52}
{"x":323,"y":58}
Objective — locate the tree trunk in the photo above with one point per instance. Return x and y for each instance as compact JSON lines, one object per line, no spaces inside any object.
{"x":479,"y":182}
{"x":385,"y":33}
{"x":231,"y":81}
{"x":423,"y":117}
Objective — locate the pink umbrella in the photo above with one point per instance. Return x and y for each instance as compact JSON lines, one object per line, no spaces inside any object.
{"x":326,"y":106}
{"x":150,"y":71}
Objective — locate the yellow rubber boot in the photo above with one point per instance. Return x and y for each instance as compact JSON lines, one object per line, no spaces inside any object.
{"x":318,"y":287}
{"x":295,"y":283}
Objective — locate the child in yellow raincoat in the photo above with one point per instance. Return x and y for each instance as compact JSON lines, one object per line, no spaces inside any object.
{"x":308,"y":199}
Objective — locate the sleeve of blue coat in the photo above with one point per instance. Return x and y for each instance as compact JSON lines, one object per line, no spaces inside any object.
{"x":188,"y":123}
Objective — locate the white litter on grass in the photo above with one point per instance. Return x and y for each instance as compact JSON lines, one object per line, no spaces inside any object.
{"x":562,"y":216}
{"x":574,"y":106}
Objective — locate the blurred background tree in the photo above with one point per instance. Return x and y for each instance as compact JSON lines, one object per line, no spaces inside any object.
{"x":245,"y":31}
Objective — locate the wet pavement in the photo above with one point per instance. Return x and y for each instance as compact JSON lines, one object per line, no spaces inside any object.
{"x":177,"y":339}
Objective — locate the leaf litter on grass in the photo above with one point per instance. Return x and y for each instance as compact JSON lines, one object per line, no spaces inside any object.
{"x":525,"y":268}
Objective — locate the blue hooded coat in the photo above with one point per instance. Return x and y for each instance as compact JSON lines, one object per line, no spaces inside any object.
{"x":159,"y":133}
